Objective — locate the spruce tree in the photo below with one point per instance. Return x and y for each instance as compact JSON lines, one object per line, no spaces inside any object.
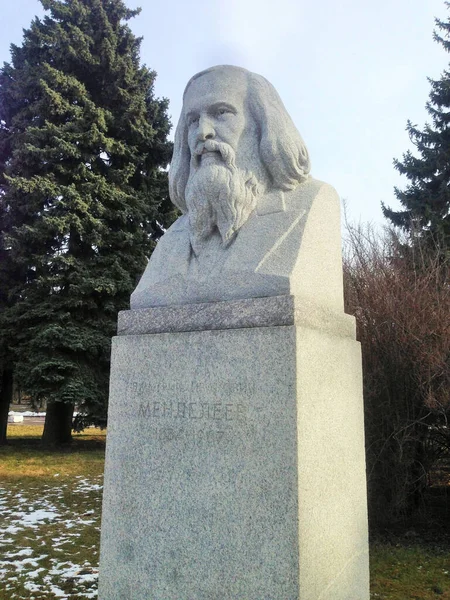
{"x":84,"y":195}
{"x":426,"y":200}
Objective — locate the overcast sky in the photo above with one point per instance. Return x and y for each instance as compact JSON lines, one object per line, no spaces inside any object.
{"x":350,"y":72}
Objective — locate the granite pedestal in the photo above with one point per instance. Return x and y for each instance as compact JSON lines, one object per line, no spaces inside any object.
{"x":235,"y":455}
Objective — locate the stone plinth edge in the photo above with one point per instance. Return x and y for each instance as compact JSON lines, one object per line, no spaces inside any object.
{"x":235,"y":314}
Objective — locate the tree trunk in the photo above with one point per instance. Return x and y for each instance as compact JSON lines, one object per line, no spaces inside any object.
{"x":6,"y":391}
{"x":58,"y":424}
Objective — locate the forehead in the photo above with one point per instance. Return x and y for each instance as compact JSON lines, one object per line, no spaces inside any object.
{"x":214,"y":87}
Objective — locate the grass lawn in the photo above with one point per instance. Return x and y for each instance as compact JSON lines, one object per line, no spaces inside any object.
{"x":410,"y":570}
{"x":50,"y":505}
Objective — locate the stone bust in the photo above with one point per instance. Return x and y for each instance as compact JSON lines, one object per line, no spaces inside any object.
{"x":254,"y":222}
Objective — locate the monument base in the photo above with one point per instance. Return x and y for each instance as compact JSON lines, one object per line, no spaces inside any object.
{"x":235,"y":457}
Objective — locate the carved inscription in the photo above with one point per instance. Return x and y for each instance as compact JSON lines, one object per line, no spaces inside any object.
{"x":193,"y":411}
{"x":189,"y":420}
{"x":198,"y":437}
{"x":213,"y":420}
{"x":174,"y":389}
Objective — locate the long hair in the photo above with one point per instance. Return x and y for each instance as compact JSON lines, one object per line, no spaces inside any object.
{"x":281,"y":148}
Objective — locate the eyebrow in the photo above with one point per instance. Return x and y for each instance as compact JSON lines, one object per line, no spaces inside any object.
{"x":217,"y":105}
{"x":214,"y":107}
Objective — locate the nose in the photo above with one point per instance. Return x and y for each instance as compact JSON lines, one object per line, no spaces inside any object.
{"x":205,"y":129}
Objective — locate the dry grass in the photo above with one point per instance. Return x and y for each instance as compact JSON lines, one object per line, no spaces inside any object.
{"x":25,"y":457}
{"x":50,"y":504}
{"x":400,"y":571}
{"x":35,"y":432}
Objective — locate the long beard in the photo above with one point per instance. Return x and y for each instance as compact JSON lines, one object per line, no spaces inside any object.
{"x":219,"y":196}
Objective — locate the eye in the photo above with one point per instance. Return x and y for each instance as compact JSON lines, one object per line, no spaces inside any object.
{"x":223,"y":111}
{"x":192,"y":120}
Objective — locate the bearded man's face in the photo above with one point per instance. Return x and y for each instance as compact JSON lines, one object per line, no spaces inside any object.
{"x":225,"y":172}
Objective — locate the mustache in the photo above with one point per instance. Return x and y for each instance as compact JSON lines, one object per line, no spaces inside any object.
{"x":226,"y":152}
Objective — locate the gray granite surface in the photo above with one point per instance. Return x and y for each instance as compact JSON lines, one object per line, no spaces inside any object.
{"x":235,"y":314}
{"x":235,"y":467}
{"x":254,"y":222}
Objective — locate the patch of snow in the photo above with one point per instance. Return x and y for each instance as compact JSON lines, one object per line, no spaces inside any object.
{"x":34,"y":517}
{"x":31,"y":587}
{"x":12,"y":529}
{"x":15,"y":418}
{"x":35,"y":573}
{"x":59,"y":593}
{"x":23,"y":552}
